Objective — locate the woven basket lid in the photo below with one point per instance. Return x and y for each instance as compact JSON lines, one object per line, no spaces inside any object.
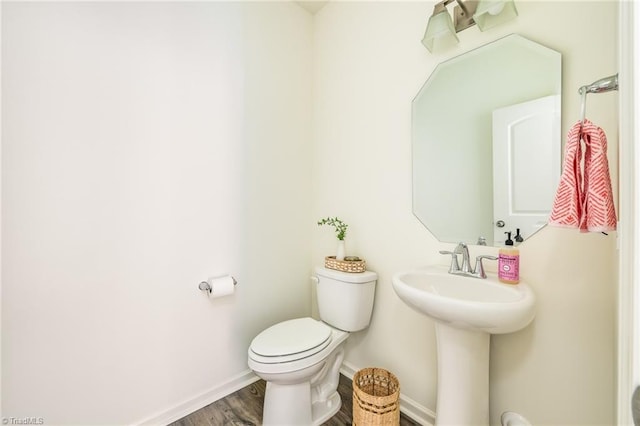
{"x":359,"y":278}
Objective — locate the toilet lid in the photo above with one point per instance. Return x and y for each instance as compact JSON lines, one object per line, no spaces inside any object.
{"x":295,"y":336}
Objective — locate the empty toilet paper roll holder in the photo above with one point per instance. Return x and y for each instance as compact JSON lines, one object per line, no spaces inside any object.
{"x":206,"y":286}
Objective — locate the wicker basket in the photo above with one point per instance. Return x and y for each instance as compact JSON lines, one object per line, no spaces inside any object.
{"x":376,"y":394}
{"x":344,"y":265}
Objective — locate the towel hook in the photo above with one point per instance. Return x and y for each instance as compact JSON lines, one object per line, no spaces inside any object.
{"x":583,"y":104}
{"x":603,"y":85}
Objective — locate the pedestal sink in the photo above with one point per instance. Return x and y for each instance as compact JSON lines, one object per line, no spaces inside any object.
{"x":466,"y":312}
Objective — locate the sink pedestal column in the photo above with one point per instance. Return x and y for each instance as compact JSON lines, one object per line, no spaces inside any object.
{"x":463,"y":376}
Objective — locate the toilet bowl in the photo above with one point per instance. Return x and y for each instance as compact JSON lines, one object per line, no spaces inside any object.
{"x":294,"y":357}
{"x":300,"y":359}
{"x":509,"y":418}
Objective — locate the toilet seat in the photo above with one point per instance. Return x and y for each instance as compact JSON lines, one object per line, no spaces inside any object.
{"x":290,"y":340}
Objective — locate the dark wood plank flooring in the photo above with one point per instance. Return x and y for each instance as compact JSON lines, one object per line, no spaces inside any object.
{"x":244,"y":408}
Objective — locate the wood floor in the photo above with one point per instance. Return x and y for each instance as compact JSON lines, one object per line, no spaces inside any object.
{"x":244,"y":408}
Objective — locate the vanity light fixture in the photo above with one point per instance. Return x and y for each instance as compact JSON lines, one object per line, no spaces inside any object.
{"x":441,"y":30}
{"x":491,"y":13}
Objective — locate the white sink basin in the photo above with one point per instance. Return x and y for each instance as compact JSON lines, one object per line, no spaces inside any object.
{"x":466,"y":311}
{"x":465,"y":302}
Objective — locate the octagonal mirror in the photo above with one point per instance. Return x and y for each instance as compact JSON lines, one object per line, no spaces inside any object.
{"x":486,"y":142}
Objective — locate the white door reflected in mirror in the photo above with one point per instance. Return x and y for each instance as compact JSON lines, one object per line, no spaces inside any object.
{"x":526,"y":165}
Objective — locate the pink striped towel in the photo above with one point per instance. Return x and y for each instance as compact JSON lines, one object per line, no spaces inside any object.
{"x":586,"y":203}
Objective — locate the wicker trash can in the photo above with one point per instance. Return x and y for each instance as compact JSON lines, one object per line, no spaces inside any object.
{"x":376,"y":394}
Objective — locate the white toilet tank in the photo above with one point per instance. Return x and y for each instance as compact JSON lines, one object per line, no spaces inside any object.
{"x":345,"y":300}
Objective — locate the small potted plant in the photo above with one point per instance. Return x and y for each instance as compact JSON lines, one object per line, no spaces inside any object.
{"x":341,"y":231}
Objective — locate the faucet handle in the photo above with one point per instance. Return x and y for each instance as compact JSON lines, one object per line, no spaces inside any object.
{"x":454,"y":267}
{"x":479,"y":269}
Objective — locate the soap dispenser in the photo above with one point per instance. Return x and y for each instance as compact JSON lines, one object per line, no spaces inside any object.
{"x":518,"y":238}
{"x":509,"y":262}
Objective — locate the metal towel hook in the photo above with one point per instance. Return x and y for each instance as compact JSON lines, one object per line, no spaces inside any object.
{"x":583,"y":104}
{"x":606,"y":84}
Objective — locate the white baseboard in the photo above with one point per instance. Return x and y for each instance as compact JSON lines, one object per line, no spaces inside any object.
{"x":410,"y":408}
{"x":193,"y":404}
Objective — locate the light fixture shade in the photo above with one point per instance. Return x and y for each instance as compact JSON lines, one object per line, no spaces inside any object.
{"x":494,"y":12}
{"x":440,"y":32}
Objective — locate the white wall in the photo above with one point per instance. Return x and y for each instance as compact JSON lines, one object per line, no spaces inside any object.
{"x":369,"y":65}
{"x":145,"y":147}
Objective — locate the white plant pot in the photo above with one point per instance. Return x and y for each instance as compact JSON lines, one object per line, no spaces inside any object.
{"x":340,"y":251}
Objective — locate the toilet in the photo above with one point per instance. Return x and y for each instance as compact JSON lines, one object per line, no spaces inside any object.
{"x":300,"y":358}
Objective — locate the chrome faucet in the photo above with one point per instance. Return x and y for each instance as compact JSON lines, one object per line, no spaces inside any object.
{"x":462,"y":249}
{"x":465,"y":269}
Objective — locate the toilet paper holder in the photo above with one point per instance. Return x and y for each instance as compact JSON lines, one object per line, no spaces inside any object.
{"x":205,"y":286}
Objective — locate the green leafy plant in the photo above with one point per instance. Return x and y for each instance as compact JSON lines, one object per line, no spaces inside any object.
{"x":340,"y":226}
